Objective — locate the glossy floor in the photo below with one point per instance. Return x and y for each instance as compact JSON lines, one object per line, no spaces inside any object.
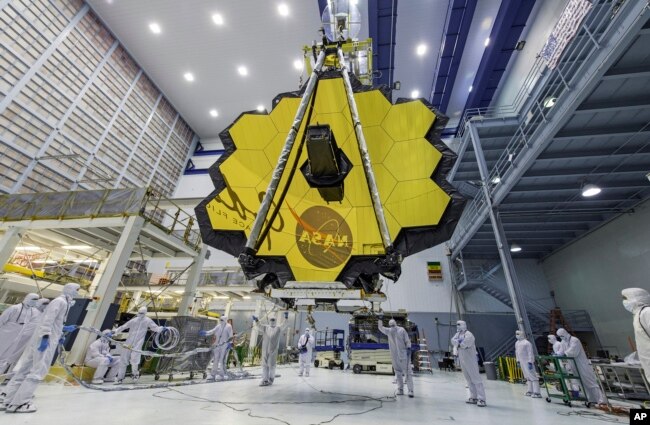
{"x":356,"y":399}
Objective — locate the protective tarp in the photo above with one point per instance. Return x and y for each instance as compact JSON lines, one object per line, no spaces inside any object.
{"x":75,"y":204}
{"x":189,"y":339}
{"x":309,"y":239}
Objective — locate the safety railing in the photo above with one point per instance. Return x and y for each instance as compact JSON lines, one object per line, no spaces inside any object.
{"x":543,"y":88}
{"x":173,"y":221}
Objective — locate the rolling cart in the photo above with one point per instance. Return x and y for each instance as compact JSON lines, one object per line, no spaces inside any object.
{"x":329,"y":346}
{"x":557,"y":380}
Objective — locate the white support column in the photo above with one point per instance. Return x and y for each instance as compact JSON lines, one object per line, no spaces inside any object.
{"x":98,"y":276}
{"x":107,"y":285}
{"x":228,"y":308}
{"x":8,"y":244}
{"x":193,"y":277}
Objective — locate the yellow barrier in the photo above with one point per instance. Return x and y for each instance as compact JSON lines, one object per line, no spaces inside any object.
{"x":509,"y":369}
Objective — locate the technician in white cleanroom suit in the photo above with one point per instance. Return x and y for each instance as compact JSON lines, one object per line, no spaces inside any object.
{"x":305,"y":347}
{"x":270,"y":345}
{"x":557,"y":345}
{"x":573,"y":348}
{"x":16,"y":327}
{"x":526,"y":359}
{"x":400,"y":353}
{"x":637,"y":302}
{"x":37,"y":357}
{"x":137,"y":327}
{"x":223,"y":339}
{"x":99,"y":357}
{"x":42,"y":303}
{"x":465,"y":348}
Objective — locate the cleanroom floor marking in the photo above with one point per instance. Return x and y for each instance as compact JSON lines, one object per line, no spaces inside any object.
{"x":439,"y":399}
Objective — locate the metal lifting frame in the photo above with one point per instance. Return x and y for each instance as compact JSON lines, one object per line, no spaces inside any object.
{"x":288,"y":146}
{"x":523,"y":324}
{"x":284,"y":156}
{"x":365,"y":157}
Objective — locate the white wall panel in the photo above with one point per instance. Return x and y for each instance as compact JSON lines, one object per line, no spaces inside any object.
{"x":590,"y":274}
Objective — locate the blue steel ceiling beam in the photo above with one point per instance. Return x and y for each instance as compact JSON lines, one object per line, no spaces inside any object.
{"x":457,"y":28}
{"x":508,"y":25}
{"x":382,"y":26}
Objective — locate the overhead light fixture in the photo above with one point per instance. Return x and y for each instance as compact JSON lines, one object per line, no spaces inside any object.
{"x":246,"y":297}
{"x":487,"y":42}
{"x":283,"y":9}
{"x":590,"y":190}
{"x":214,"y":113}
{"x":188,"y":76}
{"x":520,"y":45}
{"x":496,"y":180}
{"x":470,"y":88}
{"x":28,"y":248}
{"x":421,"y":49}
{"x":217,"y":19}
{"x":243,"y":71}
{"x":76,"y":246}
{"x":549,"y":101}
{"x":155,"y":28}
{"x":221,"y":297}
{"x":261,"y":108}
{"x":44,"y":262}
{"x":515,"y":248}
{"x":84,"y":261}
{"x":298,"y":64}
{"x":648,"y":176}
{"x":415,"y":94}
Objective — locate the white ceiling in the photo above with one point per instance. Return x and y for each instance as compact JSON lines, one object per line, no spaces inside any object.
{"x":255,"y":35}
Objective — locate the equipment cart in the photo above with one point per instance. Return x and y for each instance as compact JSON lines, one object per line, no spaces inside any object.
{"x":558,"y":379}
{"x":188,"y":328}
{"x":329,"y":346}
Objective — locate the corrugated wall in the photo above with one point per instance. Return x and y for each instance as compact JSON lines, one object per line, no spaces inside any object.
{"x":76,"y":111}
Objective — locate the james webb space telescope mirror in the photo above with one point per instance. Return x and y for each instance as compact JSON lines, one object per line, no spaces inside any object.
{"x":336,"y":185}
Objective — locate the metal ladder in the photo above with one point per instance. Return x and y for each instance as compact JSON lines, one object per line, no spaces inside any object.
{"x":424,"y":357}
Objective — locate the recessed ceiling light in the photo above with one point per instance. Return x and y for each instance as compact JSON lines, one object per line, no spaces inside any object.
{"x":214,"y":113}
{"x":243,"y":71}
{"x":496,"y":180}
{"x":283,"y":9}
{"x":217,"y":19}
{"x":470,"y":88}
{"x":76,"y":246}
{"x":589,"y":190}
{"x":515,"y":248}
{"x":421,"y":49}
{"x":549,"y":101}
{"x":188,"y":76}
{"x":487,"y":41}
{"x":261,"y":108}
{"x":415,"y":94}
{"x":298,"y":64}
{"x":155,"y":28}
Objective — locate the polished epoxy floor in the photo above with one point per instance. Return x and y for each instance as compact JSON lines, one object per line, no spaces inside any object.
{"x":357,"y":399}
